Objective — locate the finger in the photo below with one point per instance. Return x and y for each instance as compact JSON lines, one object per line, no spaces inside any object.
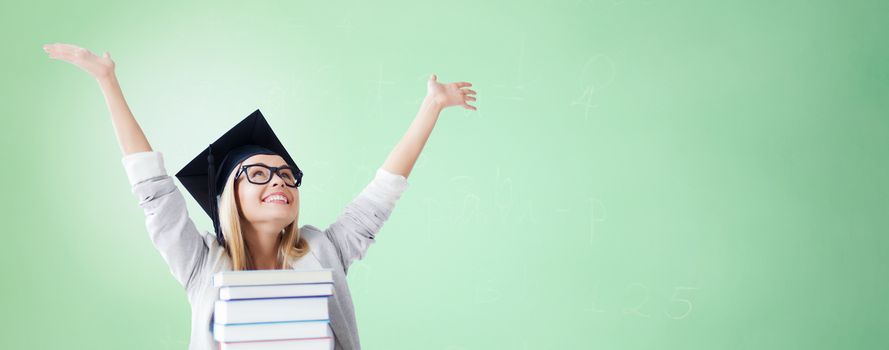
{"x":65,"y":55}
{"x":57,"y":51}
{"x":54,"y":54}
{"x":468,"y":91}
{"x":72,"y":49}
{"x":433,"y":77}
{"x":63,"y":48}
{"x":82,"y":53}
{"x":61,"y":55}
{"x":51,"y":48}
{"x":470,"y":98}
{"x":463,"y":84}
{"x":62,"y":51}
{"x":71,"y":52}
{"x":467,"y":106}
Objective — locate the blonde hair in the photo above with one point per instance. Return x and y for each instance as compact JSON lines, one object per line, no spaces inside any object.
{"x":290,"y":244}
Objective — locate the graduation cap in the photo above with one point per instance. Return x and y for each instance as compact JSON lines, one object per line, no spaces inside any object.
{"x":204,"y":177}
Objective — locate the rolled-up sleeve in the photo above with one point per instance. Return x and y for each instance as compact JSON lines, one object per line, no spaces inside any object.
{"x":354,"y":230}
{"x":171,"y":230}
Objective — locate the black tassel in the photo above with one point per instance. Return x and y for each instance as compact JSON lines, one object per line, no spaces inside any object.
{"x":211,"y":182}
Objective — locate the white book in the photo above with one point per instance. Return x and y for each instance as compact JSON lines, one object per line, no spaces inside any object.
{"x":298,"y":344}
{"x":266,"y":277}
{"x":270,"y":310}
{"x":271,"y":331}
{"x":276,"y":291}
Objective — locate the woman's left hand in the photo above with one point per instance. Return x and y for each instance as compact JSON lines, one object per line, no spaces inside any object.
{"x":450,"y":94}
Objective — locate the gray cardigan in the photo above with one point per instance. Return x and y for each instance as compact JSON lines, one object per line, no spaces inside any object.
{"x":193,"y":257}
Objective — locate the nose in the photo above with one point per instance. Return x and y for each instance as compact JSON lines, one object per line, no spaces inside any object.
{"x":277,"y":180}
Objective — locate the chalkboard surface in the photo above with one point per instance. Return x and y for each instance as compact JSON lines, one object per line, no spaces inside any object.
{"x":638,"y":175}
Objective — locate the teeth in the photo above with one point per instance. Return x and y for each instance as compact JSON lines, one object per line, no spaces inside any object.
{"x":276,"y":198}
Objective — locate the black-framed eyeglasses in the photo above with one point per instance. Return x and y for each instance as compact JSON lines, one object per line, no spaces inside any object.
{"x":261,"y":174}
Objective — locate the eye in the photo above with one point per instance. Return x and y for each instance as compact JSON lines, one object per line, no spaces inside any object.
{"x":256,"y":173}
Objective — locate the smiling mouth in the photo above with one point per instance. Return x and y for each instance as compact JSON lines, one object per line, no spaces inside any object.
{"x":276,"y":199}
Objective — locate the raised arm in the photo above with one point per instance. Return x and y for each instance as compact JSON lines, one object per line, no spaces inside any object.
{"x":354,"y":231}
{"x":438,"y":97}
{"x":171,"y":230}
{"x":129,"y":134}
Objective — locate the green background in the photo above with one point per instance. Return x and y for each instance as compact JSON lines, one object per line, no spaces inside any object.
{"x":638,"y":175}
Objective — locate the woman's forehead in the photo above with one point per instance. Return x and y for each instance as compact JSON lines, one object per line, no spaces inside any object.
{"x":267,"y":159}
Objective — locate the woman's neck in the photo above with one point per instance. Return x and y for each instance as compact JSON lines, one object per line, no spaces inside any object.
{"x":263,"y":246}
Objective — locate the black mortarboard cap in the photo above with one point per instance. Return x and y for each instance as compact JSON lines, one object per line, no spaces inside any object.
{"x":204,"y":177}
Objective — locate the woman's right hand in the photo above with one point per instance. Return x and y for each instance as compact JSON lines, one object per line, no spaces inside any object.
{"x":98,"y":67}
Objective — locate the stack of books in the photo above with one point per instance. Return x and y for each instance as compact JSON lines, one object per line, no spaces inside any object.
{"x":273,"y":309}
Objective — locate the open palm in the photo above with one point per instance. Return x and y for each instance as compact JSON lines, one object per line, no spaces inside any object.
{"x":450,"y":94}
{"x":98,"y":67}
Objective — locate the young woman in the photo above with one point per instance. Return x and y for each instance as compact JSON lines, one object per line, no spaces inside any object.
{"x":256,"y":226}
